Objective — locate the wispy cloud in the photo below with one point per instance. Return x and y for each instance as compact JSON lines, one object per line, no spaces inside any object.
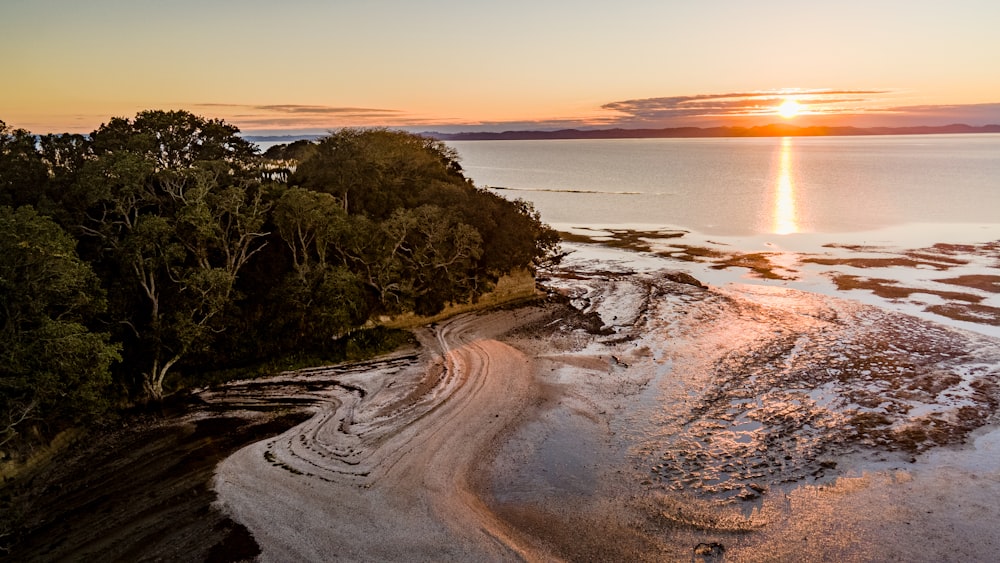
{"x":862,"y":108}
{"x":858,"y":107}
{"x":300,"y":109}
{"x":304,"y":116}
{"x":663,"y":111}
{"x":525,"y":125}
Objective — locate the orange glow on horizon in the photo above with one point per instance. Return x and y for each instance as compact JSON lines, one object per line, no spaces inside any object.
{"x":316,"y":114}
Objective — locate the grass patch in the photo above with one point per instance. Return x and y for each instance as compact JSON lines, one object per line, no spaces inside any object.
{"x":516,"y":287}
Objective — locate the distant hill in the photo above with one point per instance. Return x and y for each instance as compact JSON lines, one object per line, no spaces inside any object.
{"x":283,"y":138}
{"x":776,"y":130}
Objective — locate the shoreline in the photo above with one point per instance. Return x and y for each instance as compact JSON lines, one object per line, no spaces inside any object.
{"x":565,"y":481}
{"x":774,"y":337}
{"x":401,"y":456}
{"x":946,"y":279}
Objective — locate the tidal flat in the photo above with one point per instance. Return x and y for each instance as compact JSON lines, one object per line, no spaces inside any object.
{"x":950,"y":283}
{"x":625,"y":415}
{"x":764,"y":422}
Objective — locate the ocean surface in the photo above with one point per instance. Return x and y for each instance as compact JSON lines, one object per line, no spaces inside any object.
{"x":757,"y":186}
{"x":907,"y":223}
{"x":771,"y":419}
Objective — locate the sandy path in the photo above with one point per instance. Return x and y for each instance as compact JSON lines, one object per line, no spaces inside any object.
{"x":381,"y":471}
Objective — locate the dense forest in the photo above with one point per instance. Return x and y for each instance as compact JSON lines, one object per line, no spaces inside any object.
{"x":157,"y":251}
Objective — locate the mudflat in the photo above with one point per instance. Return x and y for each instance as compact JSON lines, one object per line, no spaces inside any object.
{"x":630,"y":416}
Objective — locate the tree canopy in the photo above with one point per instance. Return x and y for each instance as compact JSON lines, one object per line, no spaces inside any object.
{"x":167,"y":244}
{"x":51,"y":365}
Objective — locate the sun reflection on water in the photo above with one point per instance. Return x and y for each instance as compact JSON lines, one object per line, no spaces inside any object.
{"x":785,"y":219}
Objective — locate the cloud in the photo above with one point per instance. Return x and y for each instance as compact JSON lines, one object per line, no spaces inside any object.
{"x":303,"y":116}
{"x":267,"y":119}
{"x":857,"y":107}
{"x":440,"y":126}
{"x":299,"y":108}
{"x":664,"y":110}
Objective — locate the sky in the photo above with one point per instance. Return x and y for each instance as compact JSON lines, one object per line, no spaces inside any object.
{"x":301,"y":66}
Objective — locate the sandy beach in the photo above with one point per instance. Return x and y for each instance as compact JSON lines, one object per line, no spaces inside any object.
{"x":645,"y":419}
{"x":632,"y":413}
{"x":383,"y":470}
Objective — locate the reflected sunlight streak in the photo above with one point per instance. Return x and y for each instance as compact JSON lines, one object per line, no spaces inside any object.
{"x":785,"y":220}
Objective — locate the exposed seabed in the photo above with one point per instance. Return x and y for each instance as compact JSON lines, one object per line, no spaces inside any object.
{"x":947,"y":273}
{"x":650,"y":417}
{"x":759,"y":422}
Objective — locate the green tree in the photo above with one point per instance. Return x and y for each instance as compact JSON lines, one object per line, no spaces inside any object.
{"x":309,"y":223}
{"x":52,"y":368}
{"x":373,"y":172}
{"x":323,"y":297}
{"x":64,"y":157}
{"x":513,"y":233}
{"x":317,"y":307}
{"x":297,"y":151}
{"x":23,"y":176}
{"x":175,"y":140}
{"x":178,"y":210}
{"x":421,"y":234}
{"x":423,"y":259}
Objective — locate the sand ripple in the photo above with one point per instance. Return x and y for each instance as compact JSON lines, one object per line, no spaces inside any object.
{"x":381,"y":471}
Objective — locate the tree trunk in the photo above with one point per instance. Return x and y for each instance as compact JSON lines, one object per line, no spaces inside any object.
{"x":152,"y":389}
{"x":152,"y":381}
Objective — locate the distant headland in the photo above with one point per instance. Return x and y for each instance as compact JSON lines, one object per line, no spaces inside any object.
{"x":776,"y":130}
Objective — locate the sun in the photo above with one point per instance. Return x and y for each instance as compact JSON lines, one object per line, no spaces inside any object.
{"x":789,"y":108}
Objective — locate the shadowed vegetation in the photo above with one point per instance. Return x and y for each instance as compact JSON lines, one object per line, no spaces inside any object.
{"x":164,"y":251}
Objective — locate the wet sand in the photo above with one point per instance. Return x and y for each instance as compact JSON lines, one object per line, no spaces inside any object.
{"x":780,"y":425}
{"x":951,"y":283}
{"x":651,"y":420}
{"x":139,"y":493}
{"x":383,"y":469}
{"x":631,"y":416}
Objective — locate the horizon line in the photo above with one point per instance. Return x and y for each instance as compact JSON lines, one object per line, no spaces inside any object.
{"x":720,"y":131}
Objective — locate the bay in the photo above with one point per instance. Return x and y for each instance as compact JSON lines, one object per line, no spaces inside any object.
{"x":900,"y":222}
{"x":739,"y":408}
{"x":740,"y":187}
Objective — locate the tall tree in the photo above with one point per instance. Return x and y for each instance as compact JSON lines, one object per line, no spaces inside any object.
{"x":52,"y":367}
{"x":429,"y":235}
{"x":178,"y":210}
{"x":419,"y":259}
{"x":64,"y":157}
{"x":175,"y":140}
{"x":309,"y":223}
{"x":323,"y":297}
{"x":376,"y":171}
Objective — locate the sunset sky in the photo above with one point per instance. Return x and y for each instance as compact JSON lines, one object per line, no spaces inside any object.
{"x":312,"y":65}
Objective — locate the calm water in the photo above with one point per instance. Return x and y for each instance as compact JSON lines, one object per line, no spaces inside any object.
{"x":741,"y":187}
{"x":767,"y":385}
